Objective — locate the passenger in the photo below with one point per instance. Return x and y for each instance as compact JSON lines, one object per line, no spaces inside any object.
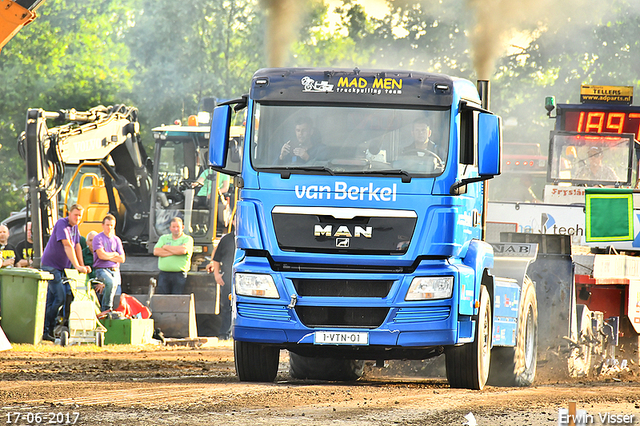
{"x":63,"y":251}
{"x":7,"y":251}
{"x":174,"y":252}
{"x":24,"y":250}
{"x":108,"y":254}
{"x":304,"y":148}
{"x":595,"y":170}
{"x":220,"y":265}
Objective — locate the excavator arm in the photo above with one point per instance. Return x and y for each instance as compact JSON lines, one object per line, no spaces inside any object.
{"x":106,"y":137}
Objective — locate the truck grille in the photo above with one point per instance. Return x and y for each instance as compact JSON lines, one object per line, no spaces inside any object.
{"x":422,"y":315}
{"x":264,"y":312}
{"x":323,"y":316}
{"x":342,"y":288}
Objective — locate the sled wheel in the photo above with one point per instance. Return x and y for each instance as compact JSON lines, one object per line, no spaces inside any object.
{"x":64,"y":337}
{"x":100,"y":339}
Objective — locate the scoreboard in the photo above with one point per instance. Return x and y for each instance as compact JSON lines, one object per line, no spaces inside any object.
{"x":590,"y":118}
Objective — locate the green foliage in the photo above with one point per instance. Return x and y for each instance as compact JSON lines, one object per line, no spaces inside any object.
{"x":182,"y":54}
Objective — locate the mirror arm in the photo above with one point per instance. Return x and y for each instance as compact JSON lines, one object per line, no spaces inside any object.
{"x":454,"y":190}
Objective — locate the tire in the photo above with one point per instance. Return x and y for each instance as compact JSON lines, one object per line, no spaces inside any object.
{"x":344,"y":370}
{"x":255,"y":362}
{"x":64,"y":338}
{"x":516,"y":366}
{"x":468,"y":365}
{"x":100,"y":339}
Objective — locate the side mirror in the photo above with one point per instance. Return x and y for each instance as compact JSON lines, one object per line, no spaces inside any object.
{"x":489,"y":144}
{"x":219,"y":137}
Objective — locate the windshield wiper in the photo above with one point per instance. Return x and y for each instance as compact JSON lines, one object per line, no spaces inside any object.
{"x":285,"y":172}
{"x":406,"y":176}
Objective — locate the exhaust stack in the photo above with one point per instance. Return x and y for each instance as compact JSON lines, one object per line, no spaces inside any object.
{"x":484,"y":92}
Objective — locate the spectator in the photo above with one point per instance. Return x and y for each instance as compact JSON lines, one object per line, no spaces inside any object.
{"x":174,"y":252}
{"x":206,"y":182}
{"x":61,"y":252}
{"x":7,"y":251}
{"x":24,"y":250}
{"x":108,"y":254}
{"x":220,"y":265}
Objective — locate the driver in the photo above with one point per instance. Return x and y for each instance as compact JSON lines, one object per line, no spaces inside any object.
{"x":595,"y":169}
{"x":422,"y":154}
{"x":304,"y":148}
{"x":421,"y":133}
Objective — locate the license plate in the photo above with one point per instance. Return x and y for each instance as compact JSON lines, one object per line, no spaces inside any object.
{"x":340,"y":338}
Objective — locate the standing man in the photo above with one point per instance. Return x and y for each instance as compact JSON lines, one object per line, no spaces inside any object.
{"x":62,"y":251}
{"x":220,"y":265}
{"x":174,"y":258}
{"x":7,"y":252}
{"x":108,"y":254}
{"x":24,"y":250}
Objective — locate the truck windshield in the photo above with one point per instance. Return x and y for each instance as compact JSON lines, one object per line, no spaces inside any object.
{"x":346,"y":139}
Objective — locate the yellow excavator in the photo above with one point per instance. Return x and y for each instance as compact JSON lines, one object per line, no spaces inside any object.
{"x":14,"y":15}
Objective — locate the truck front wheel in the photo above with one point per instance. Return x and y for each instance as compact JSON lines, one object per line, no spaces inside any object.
{"x":302,"y":367}
{"x":468,"y":365}
{"x":516,"y":366}
{"x":256,"y":362}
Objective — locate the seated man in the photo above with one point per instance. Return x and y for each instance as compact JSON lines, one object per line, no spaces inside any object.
{"x":422,"y":144}
{"x":595,"y":170}
{"x":304,"y":148}
{"x":422,"y":154}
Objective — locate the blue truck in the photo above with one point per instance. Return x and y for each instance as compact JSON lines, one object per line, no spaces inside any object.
{"x":360,"y":228}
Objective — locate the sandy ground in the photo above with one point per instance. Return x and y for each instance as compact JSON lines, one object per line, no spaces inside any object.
{"x":156,"y":385}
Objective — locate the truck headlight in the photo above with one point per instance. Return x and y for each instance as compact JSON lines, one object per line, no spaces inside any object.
{"x":425,"y":288}
{"x":256,"y":285}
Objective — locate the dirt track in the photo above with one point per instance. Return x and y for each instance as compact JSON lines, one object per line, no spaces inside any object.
{"x":125,"y":385}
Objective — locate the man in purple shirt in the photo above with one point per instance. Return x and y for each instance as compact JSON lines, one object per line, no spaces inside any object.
{"x":108,"y":254}
{"x":61,"y":252}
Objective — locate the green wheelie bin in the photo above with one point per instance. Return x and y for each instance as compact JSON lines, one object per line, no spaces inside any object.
{"x":23,"y":299}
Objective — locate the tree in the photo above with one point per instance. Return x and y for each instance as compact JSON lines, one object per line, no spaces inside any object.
{"x":71,"y":56}
{"x":182,"y":54}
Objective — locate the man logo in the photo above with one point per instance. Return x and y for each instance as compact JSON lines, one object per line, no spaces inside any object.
{"x":342,"y":231}
{"x":342,"y":242}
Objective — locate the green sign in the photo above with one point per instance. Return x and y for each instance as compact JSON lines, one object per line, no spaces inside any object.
{"x":609,"y":214}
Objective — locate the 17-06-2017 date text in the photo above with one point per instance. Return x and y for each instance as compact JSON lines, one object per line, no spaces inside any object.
{"x":50,"y":418}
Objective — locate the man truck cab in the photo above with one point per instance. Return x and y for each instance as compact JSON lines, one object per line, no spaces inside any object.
{"x":369,"y":246}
